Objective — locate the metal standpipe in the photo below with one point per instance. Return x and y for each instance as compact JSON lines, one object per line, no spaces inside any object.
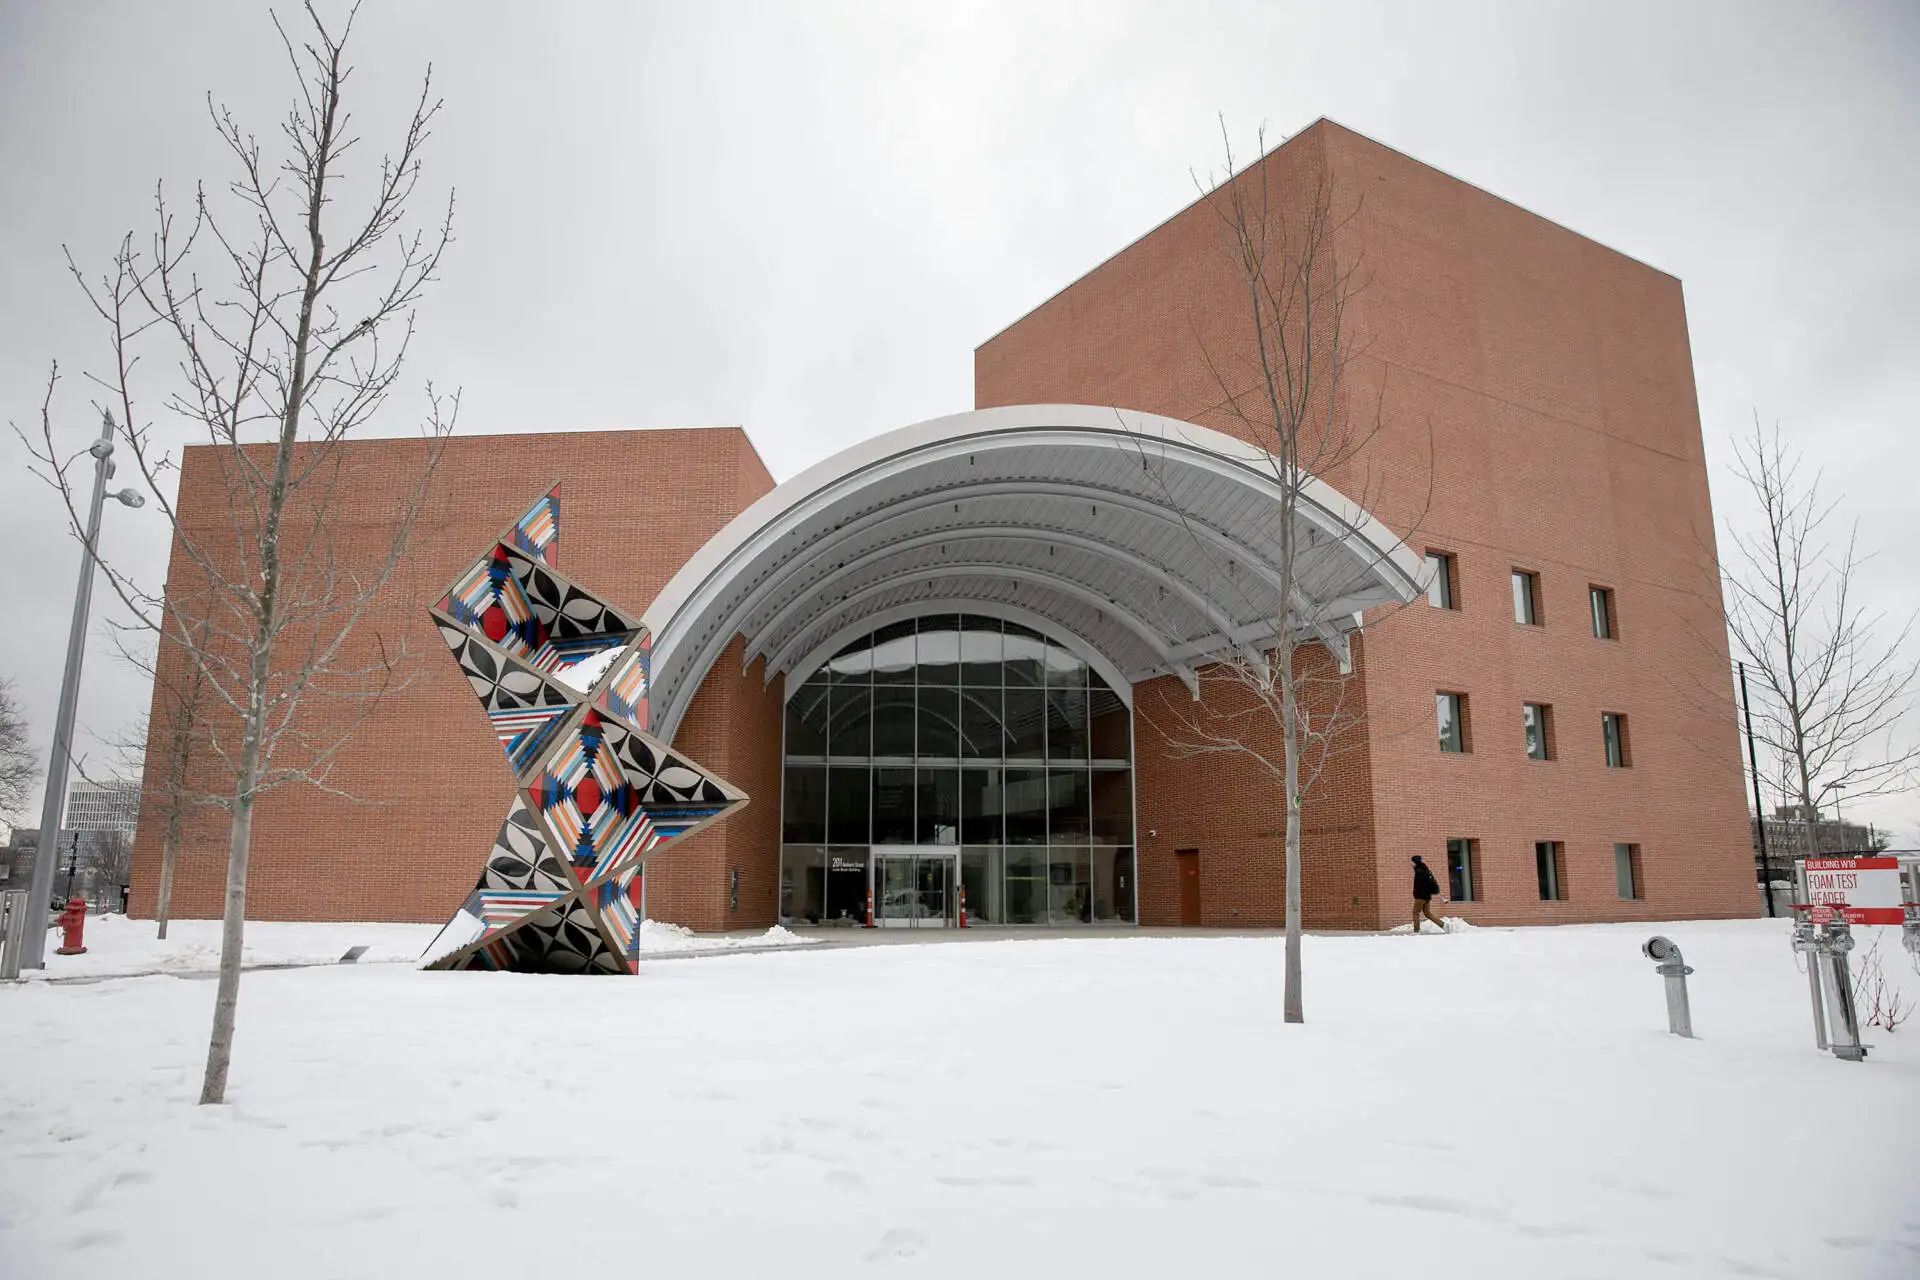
{"x":16,"y":918}
{"x":1806,"y":940}
{"x":1670,"y":965}
{"x":1843,"y":1018}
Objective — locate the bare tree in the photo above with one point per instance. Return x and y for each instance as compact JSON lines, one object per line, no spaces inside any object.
{"x":166,"y":765}
{"x":1288,"y":704}
{"x":1832,"y":688}
{"x":300,"y":349}
{"x":107,"y":868}
{"x":18,"y":766}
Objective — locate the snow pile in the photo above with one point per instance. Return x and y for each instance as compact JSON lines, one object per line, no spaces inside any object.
{"x":1452,"y":924}
{"x":583,"y":675}
{"x":659,"y":936}
{"x":118,"y":946}
{"x":1503,"y":1104}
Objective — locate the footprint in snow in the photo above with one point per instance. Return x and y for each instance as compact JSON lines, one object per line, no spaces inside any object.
{"x":901,"y":1242}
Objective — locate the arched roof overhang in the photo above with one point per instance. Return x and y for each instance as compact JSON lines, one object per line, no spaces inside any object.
{"x":1150,"y":543}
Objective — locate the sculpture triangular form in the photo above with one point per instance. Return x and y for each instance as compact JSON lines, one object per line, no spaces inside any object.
{"x":595,"y":795}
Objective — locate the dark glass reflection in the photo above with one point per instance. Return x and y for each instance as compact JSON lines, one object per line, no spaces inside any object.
{"x":1024,"y":802}
{"x":805,"y":798}
{"x":1026,"y":719}
{"x":1066,"y":724}
{"x":1067,"y":807}
{"x":939,"y":722}
{"x":938,"y":820}
{"x":1026,"y":886}
{"x":1112,"y":806}
{"x":893,"y":732}
{"x":1070,"y":885}
{"x":980,"y":806}
{"x":850,"y":731}
{"x":980,"y":735}
{"x":980,"y":652}
{"x":807,"y":720}
{"x":893,"y":654}
{"x":848,"y":805}
{"x":893,"y":806}
{"x":939,"y":653}
{"x":1026,"y":657}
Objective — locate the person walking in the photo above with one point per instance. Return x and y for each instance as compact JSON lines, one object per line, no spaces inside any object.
{"x":1425,"y":889}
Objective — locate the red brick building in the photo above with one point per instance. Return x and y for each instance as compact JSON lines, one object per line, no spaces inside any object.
{"x":948,"y":657}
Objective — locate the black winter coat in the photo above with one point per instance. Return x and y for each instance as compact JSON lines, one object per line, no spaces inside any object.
{"x":1425,"y":887}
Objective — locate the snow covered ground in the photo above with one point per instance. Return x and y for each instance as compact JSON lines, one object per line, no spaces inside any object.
{"x":119,"y":947}
{"x":1490,"y":1103}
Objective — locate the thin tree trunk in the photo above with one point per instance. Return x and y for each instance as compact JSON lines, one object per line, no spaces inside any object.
{"x":226,"y":1000}
{"x":163,"y":902}
{"x":1291,"y":1009}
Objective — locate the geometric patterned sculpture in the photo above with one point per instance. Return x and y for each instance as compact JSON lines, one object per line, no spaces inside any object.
{"x":562,"y":678}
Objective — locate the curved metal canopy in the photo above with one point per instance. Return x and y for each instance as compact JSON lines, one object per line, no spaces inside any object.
{"x":1148,"y":542}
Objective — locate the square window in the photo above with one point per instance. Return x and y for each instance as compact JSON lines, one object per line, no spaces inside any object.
{"x":1613,"y":732}
{"x":1526,"y":598}
{"x":1460,"y":859}
{"x":1441,"y":582}
{"x":1626,"y":871}
{"x":1451,"y":710}
{"x":1600,"y":605}
{"x":1549,"y":860}
{"x":1537,"y":717}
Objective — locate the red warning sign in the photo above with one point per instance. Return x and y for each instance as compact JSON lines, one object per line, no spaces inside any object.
{"x":1867,"y":889}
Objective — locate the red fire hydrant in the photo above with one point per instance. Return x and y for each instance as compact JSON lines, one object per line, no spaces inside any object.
{"x":72,"y":921}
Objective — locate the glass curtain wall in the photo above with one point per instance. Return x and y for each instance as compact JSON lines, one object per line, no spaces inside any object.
{"x":969,"y":734}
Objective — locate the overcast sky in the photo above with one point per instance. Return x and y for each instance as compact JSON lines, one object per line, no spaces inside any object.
{"x":803,"y":218}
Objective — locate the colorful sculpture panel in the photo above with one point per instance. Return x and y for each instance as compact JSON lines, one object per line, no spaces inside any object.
{"x":562,"y":678}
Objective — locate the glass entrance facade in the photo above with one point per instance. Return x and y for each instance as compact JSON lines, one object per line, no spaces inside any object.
{"x":955,"y":763}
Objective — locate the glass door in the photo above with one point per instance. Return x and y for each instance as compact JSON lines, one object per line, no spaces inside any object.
{"x":895,"y":896}
{"x":916,"y":888}
{"x":933,"y":884}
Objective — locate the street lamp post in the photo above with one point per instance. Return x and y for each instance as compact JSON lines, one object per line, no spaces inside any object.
{"x":59,"y":758}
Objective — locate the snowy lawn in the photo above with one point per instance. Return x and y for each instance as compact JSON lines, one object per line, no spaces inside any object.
{"x":120,"y":947}
{"x":1489,"y":1103}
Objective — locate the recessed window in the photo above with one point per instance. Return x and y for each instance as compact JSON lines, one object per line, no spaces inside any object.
{"x":1549,"y":861}
{"x":1626,"y":871}
{"x":1460,"y":859}
{"x":1613,"y":731}
{"x":1526,"y":598}
{"x":1441,"y":581}
{"x":1537,"y":717}
{"x":1600,"y":604}
{"x":1451,"y":709}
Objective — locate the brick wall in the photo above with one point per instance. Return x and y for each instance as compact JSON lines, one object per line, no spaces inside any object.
{"x":428,"y":780}
{"x":732,"y":726}
{"x":1544,"y":384}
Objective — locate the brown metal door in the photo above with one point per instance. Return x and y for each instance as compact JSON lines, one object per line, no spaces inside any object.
{"x":1188,"y":863}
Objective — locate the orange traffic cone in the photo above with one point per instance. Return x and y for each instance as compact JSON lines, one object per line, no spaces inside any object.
{"x":963,"y":906}
{"x":869,"y":908}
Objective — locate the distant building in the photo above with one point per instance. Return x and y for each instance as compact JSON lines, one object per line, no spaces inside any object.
{"x":110,"y":806}
{"x":16,"y":858}
{"x":1791,"y":838}
{"x":93,"y":854}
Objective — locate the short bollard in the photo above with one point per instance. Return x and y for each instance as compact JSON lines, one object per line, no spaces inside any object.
{"x":1673,"y":968}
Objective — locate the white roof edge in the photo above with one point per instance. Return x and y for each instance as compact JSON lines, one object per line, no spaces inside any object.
{"x":828,"y":472}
